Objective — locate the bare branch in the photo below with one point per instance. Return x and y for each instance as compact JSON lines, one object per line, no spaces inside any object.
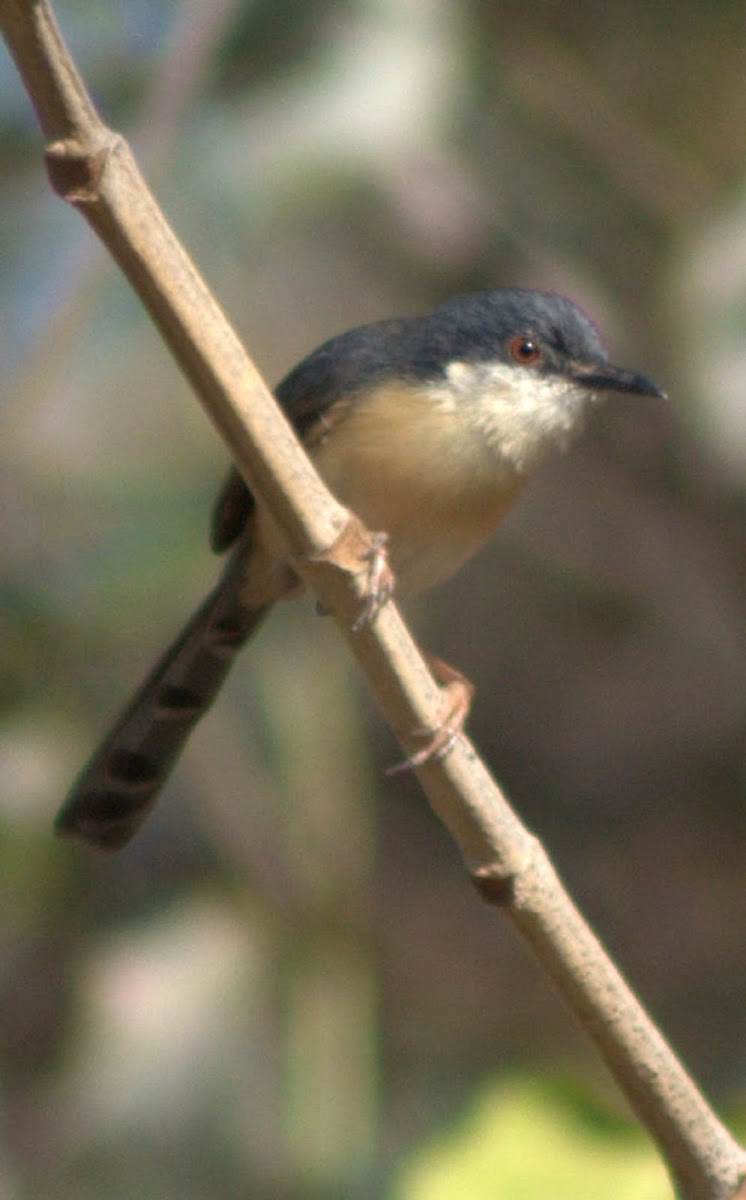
{"x":92,"y":168}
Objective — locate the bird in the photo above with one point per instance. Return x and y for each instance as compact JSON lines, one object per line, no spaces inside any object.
{"x":427,"y":428}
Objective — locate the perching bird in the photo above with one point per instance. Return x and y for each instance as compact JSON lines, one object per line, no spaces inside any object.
{"x":427,"y":428}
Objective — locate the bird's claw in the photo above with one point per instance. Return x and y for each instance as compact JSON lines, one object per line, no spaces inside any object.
{"x":441,"y":738}
{"x":380,"y":581}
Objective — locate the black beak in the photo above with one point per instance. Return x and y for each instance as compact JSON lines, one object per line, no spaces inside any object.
{"x":604,"y":377}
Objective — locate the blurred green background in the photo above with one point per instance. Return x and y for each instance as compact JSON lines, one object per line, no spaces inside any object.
{"x":286,"y":987}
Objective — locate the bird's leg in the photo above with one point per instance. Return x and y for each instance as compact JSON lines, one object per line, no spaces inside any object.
{"x":459,"y":692}
{"x":380,"y":581}
{"x":363,"y":553}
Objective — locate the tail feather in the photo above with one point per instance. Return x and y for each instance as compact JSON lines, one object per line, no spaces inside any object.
{"x":119,"y":786}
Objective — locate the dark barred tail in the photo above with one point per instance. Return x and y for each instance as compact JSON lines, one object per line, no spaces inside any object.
{"x":119,"y":786}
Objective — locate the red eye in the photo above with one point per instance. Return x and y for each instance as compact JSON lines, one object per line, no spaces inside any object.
{"x":524,"y":349}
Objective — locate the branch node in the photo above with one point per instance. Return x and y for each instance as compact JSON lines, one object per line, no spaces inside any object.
{"x":494,"y":887}
{"x":75,"y":170}
{"x":357,"y":552}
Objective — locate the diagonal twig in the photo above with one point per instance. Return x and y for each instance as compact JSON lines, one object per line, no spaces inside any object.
{"x":92,"y":168}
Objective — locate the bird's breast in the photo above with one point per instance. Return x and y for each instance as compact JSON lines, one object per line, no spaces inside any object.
{"x":411,"y":468}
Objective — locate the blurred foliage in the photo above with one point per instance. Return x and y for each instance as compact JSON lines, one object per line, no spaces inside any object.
{"x":527,"y":1139}
{"x":285,"y":983}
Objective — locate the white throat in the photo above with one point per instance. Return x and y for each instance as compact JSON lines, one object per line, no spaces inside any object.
{"x":519,"y":413}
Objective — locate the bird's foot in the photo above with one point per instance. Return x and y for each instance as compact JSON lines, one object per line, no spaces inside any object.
{"x":380,"y":581}
{"x":441,"y":739}
{"x":359,"y":552}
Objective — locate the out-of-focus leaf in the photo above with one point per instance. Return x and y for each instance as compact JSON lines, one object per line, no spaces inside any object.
{"x":526,"y":1139}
